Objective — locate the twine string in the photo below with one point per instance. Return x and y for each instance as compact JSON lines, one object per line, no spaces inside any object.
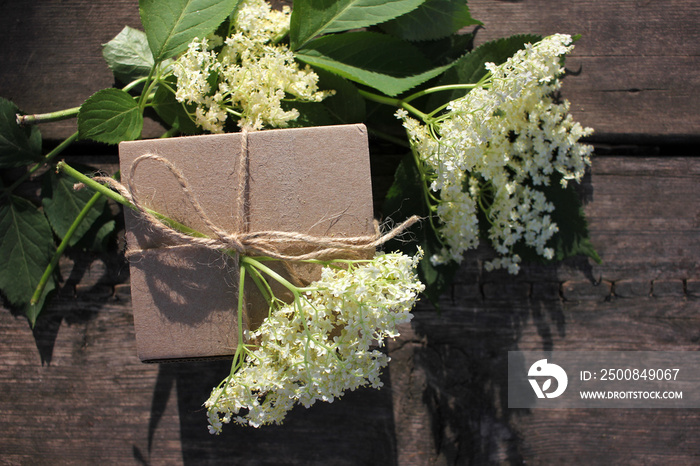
{"x":271,"y":243}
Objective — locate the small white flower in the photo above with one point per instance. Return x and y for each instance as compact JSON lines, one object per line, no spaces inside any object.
{"x":252,"y":73}
{"x":321,"y":345}
{"x":401,"y":114}
{"x":496,"y":147}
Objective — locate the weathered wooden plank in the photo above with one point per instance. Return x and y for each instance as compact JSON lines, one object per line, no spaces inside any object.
{"x":52,"y":53}
{"x":634,"y":69}
{"x":75,"y":392}
{"x":447,"y":373}
{"x":452,"y":370}
{"x":96,"y":402}
{"x":644,"y":216}
{"x":633,"y":75}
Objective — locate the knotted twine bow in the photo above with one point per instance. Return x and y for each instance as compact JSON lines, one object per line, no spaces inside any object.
{"x":271,"y":244}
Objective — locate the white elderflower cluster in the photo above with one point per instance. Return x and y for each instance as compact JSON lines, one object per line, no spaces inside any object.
{"x":494,"y":147}
{"x":247,"y":75}
{"x":322,"y":344}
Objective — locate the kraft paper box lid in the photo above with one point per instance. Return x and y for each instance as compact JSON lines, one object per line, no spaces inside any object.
{"x":308,"y":180}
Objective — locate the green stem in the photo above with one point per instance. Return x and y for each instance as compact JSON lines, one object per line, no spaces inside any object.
{"x":241,"y":284}
{"x":274,"y":275}
{"x":448,"y":87}
{"x":63,"y":114}
{"x":257,"y":266}
{"x":63,"y":167}
{"x":262,"y":284}
{"x":155,"y":76}
{"x":382,"y":99}
{"x":47,"y":117}
{"x":39,"y":290}
{"x":169,"y":133}
{"x":438,"y":110}
{"x":425,"y":188}
{"x":404,"y":103}
{"x":133,"y":84}
{"x":146,"y":87}
{"x":239,"y":355}
{"x":57,"y":150}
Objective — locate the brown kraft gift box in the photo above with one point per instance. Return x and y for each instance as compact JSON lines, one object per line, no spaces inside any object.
{"x":308,"y":180}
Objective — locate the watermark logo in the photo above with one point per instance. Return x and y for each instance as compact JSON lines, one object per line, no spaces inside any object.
{"x":551,"y":371}
{"x":603,"y":379}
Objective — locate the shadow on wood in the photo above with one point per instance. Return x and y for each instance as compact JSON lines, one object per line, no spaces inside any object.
{"x":453,"y":367}
{"x":358,"y":429}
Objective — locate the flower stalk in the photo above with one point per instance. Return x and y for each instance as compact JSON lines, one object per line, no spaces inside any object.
{"x":39,"y":291}
{"x":63,"y":167}
{"x":508,"y":134}
{"x":47,"y":117}
{"x":47,"y":159}
{"x":321,"y":343}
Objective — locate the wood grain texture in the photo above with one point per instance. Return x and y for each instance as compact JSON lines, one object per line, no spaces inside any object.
{"x":452,"y":371}
{"x":52,"y":53}
{"x":74,"y":392}
{"x":95,"y":402}
{"x":644,"y":219}
{"x":633,"y":72}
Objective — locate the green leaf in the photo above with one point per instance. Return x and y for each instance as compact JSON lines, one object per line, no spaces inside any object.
{"x":573,"y":238}
{"x":346,"y":105}
{"x":32,"y":311}
{"x":312,"y":18}
{"x":434,"y":19}
{"x":382,"y":62}
{"x":100,"y":235}
{"x":18,"y":146}
{"x":26,"y":248}
{"x":404,"y":199}
{"x":470,"y":68}
{"x":62,"y":204}
{"x":110,"y":116}
{"x":128,"y":55}
{"x":171,"y":111}
{"x":447,"y":50}
{"x":310,"y":114}
{"x":371,"y":51}
{"x":171,"y":25}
